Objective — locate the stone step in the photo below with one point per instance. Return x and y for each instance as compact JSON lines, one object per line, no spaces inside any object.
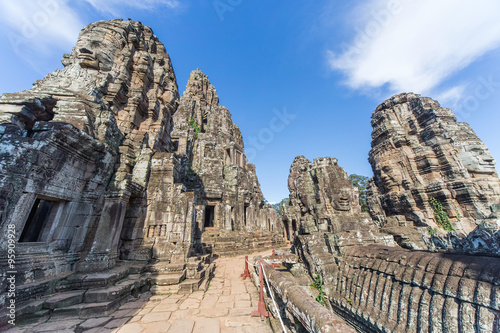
{"x":164,"y":290}
{"x":168,"y":279}
{"x":88,"y":310}
{"x":199,"y":282}
{"x":206,"y":258}
{"x":26,"y":310}
{"x":166,"y":267}
{"x":37,"y":289}
{"x":207,"y":276}
{"x":106,"y":294}
{"x":65,"y":299}
{"x":133,"y":284}
{"x":189,"y":286}
{"x":98,"y":279}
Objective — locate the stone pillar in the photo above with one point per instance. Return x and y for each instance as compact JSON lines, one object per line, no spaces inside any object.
{"x":104,"y":249}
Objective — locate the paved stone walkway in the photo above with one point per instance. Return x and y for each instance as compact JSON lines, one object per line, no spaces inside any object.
{"x":224,"y":308}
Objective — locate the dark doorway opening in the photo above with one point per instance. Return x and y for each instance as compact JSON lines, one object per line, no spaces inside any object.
{"x":287,"y":231}
{"x":39,"y":223}
{"x":209,"y":216}
{"x":245,"y":214}
{"x":232,"y":218}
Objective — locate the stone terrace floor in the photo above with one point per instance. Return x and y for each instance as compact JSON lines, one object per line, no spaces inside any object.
{"x":224,"y":308}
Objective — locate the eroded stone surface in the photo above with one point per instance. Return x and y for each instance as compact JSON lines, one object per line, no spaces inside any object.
{"x":388,"y":287}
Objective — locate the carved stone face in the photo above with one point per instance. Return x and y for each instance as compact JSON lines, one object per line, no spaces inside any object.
{"x":343,"y":198}
{"x":477,"y":159}
{"x":99,"y":50}
{"x":391,"y":177}
{"x":87,"y":58}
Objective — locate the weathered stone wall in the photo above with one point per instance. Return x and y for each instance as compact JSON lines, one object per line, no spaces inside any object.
{"x":420,"y":151}
{"x":69,"y":171}
{"x":297,"y":306}
{"x":397,"y":290}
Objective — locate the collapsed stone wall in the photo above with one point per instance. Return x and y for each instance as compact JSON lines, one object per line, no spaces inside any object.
{"x":419,"y":151}
{"x":229,"y":200}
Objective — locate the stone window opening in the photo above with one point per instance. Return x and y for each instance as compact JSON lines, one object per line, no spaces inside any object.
{"x":209,"y":216}
{"x":41,"y":220}
{"x":175,"y":145}
{"x":205,"y":124}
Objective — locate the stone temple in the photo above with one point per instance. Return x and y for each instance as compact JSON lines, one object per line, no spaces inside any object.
{"x":370,"y":266}
{"x":103,"y":166}
{"x":113,"y":186}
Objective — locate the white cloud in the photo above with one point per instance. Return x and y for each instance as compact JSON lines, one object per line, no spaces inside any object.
{"x":38,"y":30}
{"x":39,"y":25}
{"x":452,"y":95}
{"x":115,"y":7}
{"x":414,"y":45}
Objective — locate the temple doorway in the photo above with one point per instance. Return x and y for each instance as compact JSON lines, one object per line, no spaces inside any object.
{"x":209,"y":216}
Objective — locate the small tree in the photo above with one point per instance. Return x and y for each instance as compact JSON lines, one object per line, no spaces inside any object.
{"x":361,"y":182}
{"x":441,"y":216}
{"x":279,"y":206}
{"x":197,"y":128}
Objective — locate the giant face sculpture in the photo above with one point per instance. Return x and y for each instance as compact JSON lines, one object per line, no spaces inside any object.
{"x":477,"y":159}
{"x":342,"y":199}
{"x":99,"y":49}
{"x":391,"y":177}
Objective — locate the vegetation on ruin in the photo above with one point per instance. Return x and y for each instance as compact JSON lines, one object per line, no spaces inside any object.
{"x":441,"y":216}
{"x":197,"y":128}
{"x":279,"y":207}
{"x":459,"y":217}
{"x":432,"y":231}
{"x":318,"y":285}
{"x":361,"y":182}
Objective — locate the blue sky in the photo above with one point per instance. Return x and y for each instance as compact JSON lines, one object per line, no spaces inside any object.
{"x":299,"y":77}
